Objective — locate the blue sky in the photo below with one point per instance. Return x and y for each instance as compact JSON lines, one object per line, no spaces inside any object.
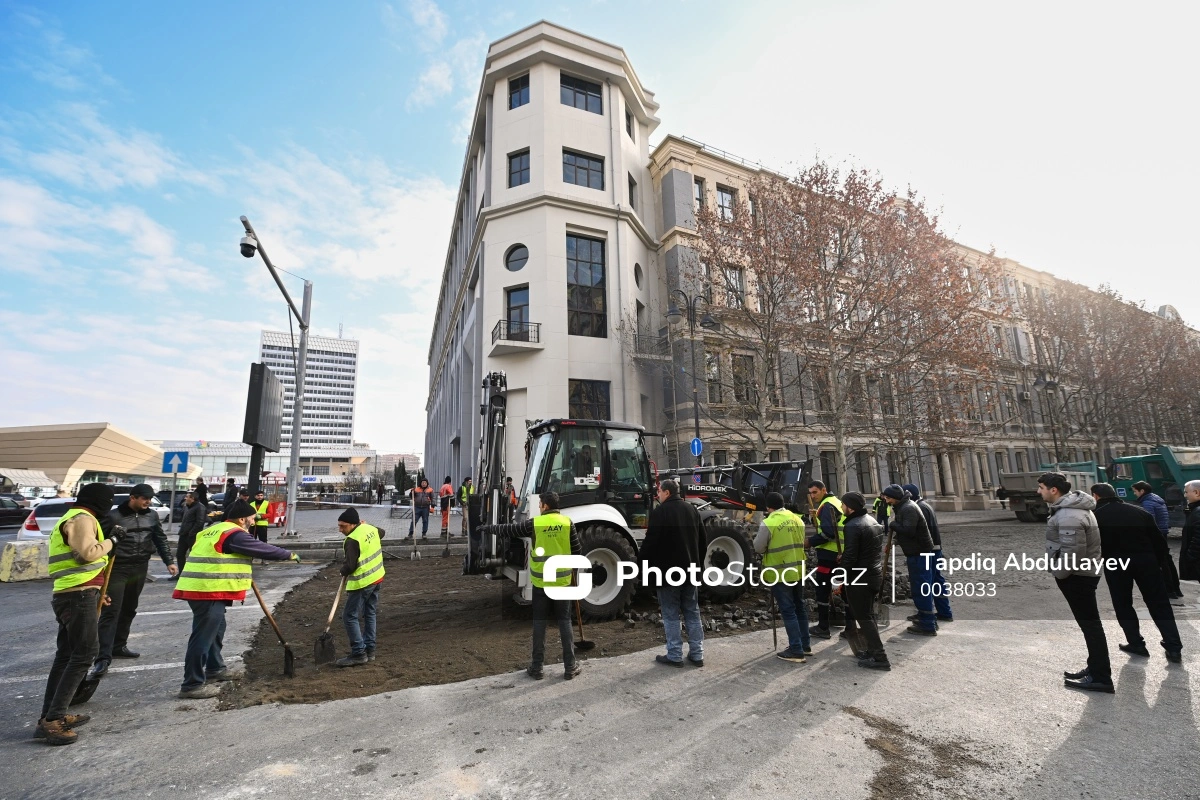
{"x":133,"y":135}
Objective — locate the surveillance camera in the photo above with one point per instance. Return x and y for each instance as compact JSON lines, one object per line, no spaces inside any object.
{"x":249,"y":246}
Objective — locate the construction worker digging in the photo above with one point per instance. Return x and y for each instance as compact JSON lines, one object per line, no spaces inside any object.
{"x":363,"y":571}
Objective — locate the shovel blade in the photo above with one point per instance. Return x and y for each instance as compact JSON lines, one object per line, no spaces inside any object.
{"x":85,"y":691}
{"x":583,"y":645}
{"x":324,"y":651}
{"x":289,"y":662}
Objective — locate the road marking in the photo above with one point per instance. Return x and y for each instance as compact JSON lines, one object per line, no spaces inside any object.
{"x":131,"y":668}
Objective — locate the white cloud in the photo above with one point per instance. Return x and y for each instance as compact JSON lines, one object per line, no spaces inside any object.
{"x":38,"y":48}
{"x":429,"y":19}
{"x":435,"y":82}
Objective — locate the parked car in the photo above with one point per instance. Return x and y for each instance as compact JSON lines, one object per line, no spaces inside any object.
{"x":41,"y":520}
{"x":11,"y":513}
{"x":159,"y":507}
{"x":16,"y":497}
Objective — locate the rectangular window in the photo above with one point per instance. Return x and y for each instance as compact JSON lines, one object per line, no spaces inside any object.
{"x":581,"y":94}
{"x":775,"y":456}
{"x":320,"y":470}
{"x":698,"y":193}
{"x":517,"y":311}
{"x":828,"y":473}
{"x":862,"y":466}
{"x":588,"y":400}
{"x":629,"y":125}
{"x":720,"y":457}
{"x":518,"y":92}
{"x":726,"y":198}
{"x":712,"y":375}
{"x":735,"y":290}
{"x":632,"y":193}
{"x":518,"y":168}
{"x":586,"y":301}
{"x":743,"y":379}
{"x":583,"y":170}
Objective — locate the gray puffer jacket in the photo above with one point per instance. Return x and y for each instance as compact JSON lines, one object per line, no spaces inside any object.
{"x":143,"y":535}
{"x":1072,"y":528}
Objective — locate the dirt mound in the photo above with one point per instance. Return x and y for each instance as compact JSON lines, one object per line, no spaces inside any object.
{"x":438,"y":626}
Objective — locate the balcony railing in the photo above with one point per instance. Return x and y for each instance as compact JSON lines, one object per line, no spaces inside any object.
{"x":513,"y":331}
{"x":653,"y":346}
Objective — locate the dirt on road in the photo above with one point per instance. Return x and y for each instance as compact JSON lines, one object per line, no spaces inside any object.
{"x":436,"y":626}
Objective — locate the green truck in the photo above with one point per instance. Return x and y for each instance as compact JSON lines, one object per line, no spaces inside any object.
{"x":1021,"y":487}
{"x":1166,"y":469}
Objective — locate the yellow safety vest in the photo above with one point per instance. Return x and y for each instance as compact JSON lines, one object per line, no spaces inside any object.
{"x":464,"y":492}
{"x":785,"y":550}
{"x":552,"y":533}
{"x":210,"y":571}
{"x":261,"y":510}
{"x":68,"y":571}
{"x":370,"y":558}
{"x":841,"y":524}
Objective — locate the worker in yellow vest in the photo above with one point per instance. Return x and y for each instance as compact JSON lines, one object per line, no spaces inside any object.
{"x":780,"y":540}
{"x":827,"y":540}
{"x":78,"y":558}
{"x":261,"y":521}
{"x":465,"y":493}
{"x":363,"y":571}
{"x":551,"y":534}
{"x":217,"y":573}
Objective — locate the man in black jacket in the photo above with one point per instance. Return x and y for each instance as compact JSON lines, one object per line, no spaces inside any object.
{"x":231,"y":495}
{"x":941,"y":599}
{"x":1129,"y":532}
{"x":862,"y":559}
{"x":1189,"y":550}
{"x":195,"y":517}
{"x":911,"y":532}
{"x":143,"y":536}
{"x":675,"y":539}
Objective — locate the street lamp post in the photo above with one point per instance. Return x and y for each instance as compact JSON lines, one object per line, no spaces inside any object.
{"x":676,"y":315}
{"x":1051,"y":388}
{"x":249,"y":245}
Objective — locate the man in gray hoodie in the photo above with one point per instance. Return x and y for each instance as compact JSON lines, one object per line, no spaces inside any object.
{"x":1073,"y":533}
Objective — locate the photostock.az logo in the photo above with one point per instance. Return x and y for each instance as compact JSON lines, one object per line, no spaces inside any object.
{"x":550,"y":570}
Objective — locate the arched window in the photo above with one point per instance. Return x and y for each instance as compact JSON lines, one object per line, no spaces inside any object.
{"x":516,"y":257}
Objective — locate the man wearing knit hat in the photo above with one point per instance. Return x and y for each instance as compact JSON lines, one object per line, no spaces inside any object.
{"x":218,"y":572}
{"x":862,"y":559}
{"x":78,"y":557}
{"x":363,"y":571}
{"x":912,"y":534}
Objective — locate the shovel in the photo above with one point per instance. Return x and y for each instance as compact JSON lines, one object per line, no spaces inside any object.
{"x":289,"y":660}
{"x":324,"y":650}
{"x":582,"y":645}
{"x":774,"y":626}
{"x":854,"y":635}
{"x":88,"y":686}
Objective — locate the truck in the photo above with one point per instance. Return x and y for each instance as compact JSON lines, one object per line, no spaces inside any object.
{"x":1022,"y":491}
{"x":606,"y":484}
{"x":1166,"y":469}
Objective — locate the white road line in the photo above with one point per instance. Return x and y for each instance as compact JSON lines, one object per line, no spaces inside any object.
{"x":131,"y":668}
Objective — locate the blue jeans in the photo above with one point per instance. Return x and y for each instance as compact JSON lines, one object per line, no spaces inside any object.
{"x":920,"y":581}
{"x":420,"y":513}
{"x":203,"y":656}
{"x":941,"y":601}
{"x":794,"y":613}
{"x":361,"y":601}
{"x":672,"y":600}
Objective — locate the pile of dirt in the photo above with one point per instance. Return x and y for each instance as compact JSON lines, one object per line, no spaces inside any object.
{"x":437,"y":626}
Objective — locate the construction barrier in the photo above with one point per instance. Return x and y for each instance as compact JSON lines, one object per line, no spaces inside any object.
{"x":24,"y":561}
{"x":277,"y":513}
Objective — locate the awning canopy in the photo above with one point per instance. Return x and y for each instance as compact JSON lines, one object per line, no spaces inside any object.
{"x":28,"y":477}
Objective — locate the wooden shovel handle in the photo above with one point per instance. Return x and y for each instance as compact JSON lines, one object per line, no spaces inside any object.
{"x":107,"y":577}
{"x":266,"y":611}
{"x":337,"y":598}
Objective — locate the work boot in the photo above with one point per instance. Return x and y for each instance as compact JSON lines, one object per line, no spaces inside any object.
{"x":791,"y":655}
{"x":220,"y":676}
{"x":876,"y":663}
{"x":124,"y":652}
{"x":99,"y":670}
{"x":352,"y":660}
{"x":919,"y":631}
{"x":202,"y":692}
{"x":371,"y":654}
{"x":818,"y":632}
{"x":69,"y":720}
{"x":571,"y":671}
{"x":55,"y":732}
{"x":1135,"y":649}
{"x":668,"y":661}
{"x":535,"y":673}
{"x":699,"y":662}
{"x":1175,"y":656}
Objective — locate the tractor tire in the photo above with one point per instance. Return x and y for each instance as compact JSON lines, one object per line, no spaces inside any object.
{"x":726,"y":543}
{"x":1026,"y":516}
{"x":605,"y":548}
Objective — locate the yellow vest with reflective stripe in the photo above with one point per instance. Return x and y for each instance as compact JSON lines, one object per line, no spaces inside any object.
{"x":370,"y":558}
{"x":551,"y":533}
{"x":207,"y":570}
{"x":841,"y":524}
{"x":465,"y":492}
{"x":785,"y":550}
{"x":261,"y":510}
{"x":68,"y":571}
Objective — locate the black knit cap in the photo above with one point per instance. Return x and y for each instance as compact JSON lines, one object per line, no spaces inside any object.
{"x":142,"y":490}
{"x":349,"y":515}
{"x":241,"y":509}
{"x":895,"y":491}
{"x":854,"y":500}
{"x":95,"y":497}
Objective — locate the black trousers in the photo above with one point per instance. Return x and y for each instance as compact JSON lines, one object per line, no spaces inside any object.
{"x":261,"y":532}
{"x":1144,"y":571}
{"x":824,"y":590}
{"x":186,"y":540}
{"x":859,"y":599}
{"x":1170,"y":575}
{"x":125,"y":588}
{"x":77,"y":647}
{"x":543,"y":608}
{"x":1080,"y":592}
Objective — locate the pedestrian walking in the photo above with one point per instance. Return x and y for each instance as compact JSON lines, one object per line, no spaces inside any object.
{"x":552,"y":534}
{"x":447,"y":497}
{"x":1157,"y":507}
{"x":78,"y":556}
{"x":826,"y":541}
{"x":911,"y":532}
{"x":1002,"y":496}
{"x":379,"y":494}
{"x":862,"y":562}
{"x":201,"y":490}
{"x":1072,"y":535}
{"x":422,"y":502}
{"x":941,"y":590}
{"x":675,"y":540}
{"x":780,"y":541}
{"x":195,"y":518}
{"x":262,"y":522}
{"x":231,"y":495}
{"x":144,"y":536}
{"x":363,"y":571}
{"x":1129,"y":535}
{"x":1189,"y":549}
{"x":218,"y":574}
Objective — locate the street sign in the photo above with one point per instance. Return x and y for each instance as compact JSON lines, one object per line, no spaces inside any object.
{"x":175,"y":461}
{"x":696,"y":477}
{"x":697,"y":447}
{"x":309,"y":479}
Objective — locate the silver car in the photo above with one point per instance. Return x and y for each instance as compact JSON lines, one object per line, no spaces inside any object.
{"x":41,"y":521}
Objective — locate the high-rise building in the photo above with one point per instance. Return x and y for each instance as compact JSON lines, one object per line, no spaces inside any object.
{"x":330,"y":382}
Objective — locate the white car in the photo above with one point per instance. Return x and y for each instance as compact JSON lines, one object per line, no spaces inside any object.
{"x":41,"y":521}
